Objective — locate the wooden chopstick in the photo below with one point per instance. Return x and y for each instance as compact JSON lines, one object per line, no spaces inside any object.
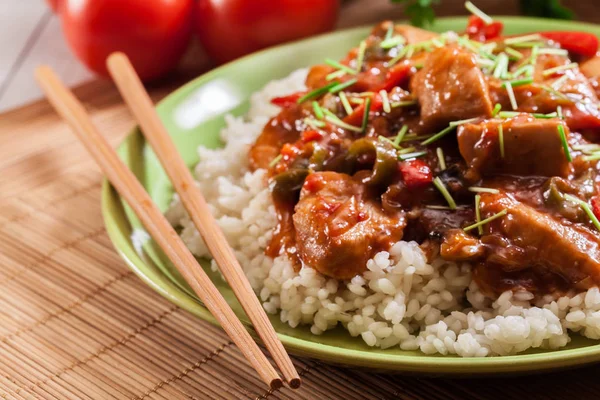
{"x":140,"y":104}
{"x":73,"y":112}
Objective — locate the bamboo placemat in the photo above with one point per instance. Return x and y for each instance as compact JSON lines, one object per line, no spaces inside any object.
{"x":76,"y":323}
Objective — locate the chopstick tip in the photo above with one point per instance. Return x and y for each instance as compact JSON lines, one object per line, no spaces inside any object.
{"x":295,"y":383}
{"x":115,"y":58}
{"x":276,"y":383}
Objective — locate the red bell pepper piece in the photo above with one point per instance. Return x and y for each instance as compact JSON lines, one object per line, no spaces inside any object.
{"x":310,"y":135}
{"x":596,"y":206}
{"x":396,"y":76}
{"x":582,"y":43}
{"x":478,"y":30}
{"x":416,"y":173}
{"x":287,"y":101}
{"x":357,"y":115}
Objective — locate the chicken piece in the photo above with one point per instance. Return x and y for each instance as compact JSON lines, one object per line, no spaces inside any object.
{"x":531,"y":147}
{"x":541,"y":96}
{"x":537,"y":246}
{"x":338,"y":229}
{"x":278,"y":131}
{"x":414,"y":35}
{"x":460,"y":246}
{"x":451,"y":87}
{"x":590,"y":67}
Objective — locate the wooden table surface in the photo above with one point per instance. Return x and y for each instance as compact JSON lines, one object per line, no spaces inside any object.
{"x":76,"y":323}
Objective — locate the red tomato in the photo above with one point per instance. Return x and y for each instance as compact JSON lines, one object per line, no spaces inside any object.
{"x":53,"y":4}
{"x":154,"y":34}
{"x":231,"y":28}
{"x":583,"y":43}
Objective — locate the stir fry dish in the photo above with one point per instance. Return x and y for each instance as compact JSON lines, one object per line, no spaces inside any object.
{"x":482,"y":148}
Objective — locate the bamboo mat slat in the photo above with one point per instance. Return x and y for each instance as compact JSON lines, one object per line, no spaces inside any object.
{"x":76,"y":323}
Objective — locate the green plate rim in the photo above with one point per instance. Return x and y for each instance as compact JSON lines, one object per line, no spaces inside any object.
{"x":547,"y":360}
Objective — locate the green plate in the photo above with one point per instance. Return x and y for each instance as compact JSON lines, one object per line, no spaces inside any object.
{"x":232,"y":84}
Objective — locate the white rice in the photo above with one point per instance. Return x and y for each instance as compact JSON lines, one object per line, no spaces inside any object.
{"x":400,"y":301}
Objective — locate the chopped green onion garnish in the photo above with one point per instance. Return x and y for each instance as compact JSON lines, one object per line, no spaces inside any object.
{"x":479,"y":189}
{"x":388,"y":140}
{"x":534,"y":54}
{"x":488,"y":47}
{"x":365,"y":119}
{"x":501,"y":66}
{"x":400,"y":55}
{"x":496,"y":109}
{"x":441,"y":159}
{"x":389,"y":32}
{"x":552,"y":91}
{"x":275,"y":161}
{"x":338,"y":122}
{"x":557,"y":84}
{"x":317,"y":92}
{"x":444,"y":191}
{"x":526,"y":70}
{"x":463,"y":121}
{"x":519,"y":82}
{"x":465,"y":42}
{"x":405,"y":103}
{"x":407,"y":150}
{"x":593,"y":157}
{"x":414,"y":136}
{"x":434,"y":207}
{"x":341,"y":86}
{"x":478,"y":13}
{"x":528,"y":44}
{"x":408,"y":156}
{"x":437,"y":42}
{"x":587,"y":148}
{"x":487,"y":220}
{"x":511,"y":95}
{"x":392,"y":42}
{"x":501,"y":140}
{"x":484,"y":62}
{"x":355,"y":100}
{"x":550,"y":50}
{"x":559,"y":113}
{"x":400,"y":135}
{"x":366,"y":94}
{"x":385,"y":100}
{"x":515,"y":53}
{"x":508,"y":114}
{"x":478,"y":213}
{"x":438,"y":135}
{"x":339,"y":66}
{"x":360,"y":56}
{"x":585,"y":206}
{"x":335,"y":75}
{"x":521,"y":39}
{"x":565,"y":143}
{"x":318,"y":110}
{"x":313,"y":123}
{"x":345,"y":103}
{"x":551,"y":71}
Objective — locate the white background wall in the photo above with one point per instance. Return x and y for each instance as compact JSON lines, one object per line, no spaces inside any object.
{"x":31,"y":35}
